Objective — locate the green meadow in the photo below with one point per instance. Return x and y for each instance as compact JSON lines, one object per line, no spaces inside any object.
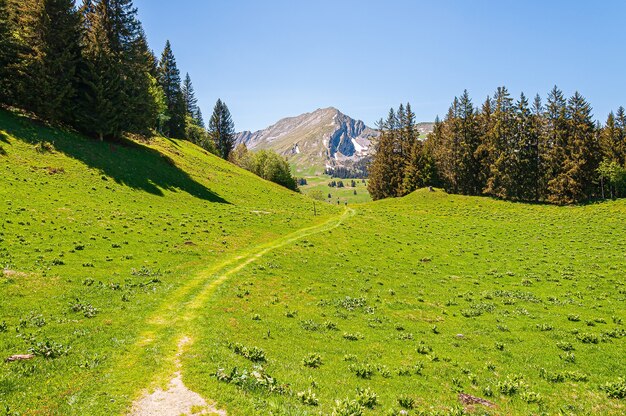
{"x":317,"y":186}
{"x":111,"y":253}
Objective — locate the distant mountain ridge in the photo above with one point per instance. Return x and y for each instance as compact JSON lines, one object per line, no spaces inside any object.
{"x":318,"y":140}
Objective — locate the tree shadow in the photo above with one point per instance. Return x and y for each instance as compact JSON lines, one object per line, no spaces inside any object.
{"x":126,"y":162}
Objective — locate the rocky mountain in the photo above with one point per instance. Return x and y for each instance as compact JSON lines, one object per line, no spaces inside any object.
{"x":321,"y":139}
{"x":325,"y":138}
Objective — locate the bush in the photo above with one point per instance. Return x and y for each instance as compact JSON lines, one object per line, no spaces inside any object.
{"x":347,"y":407}
{"x":365,"y":371}
{"x":48,"y":349}
{"x":352,"y":337}
{"x":366,"y":397}
{"x":406,"y":402}
{"x":254,"y":354}
{"x":308,"y":398}
{"x":86,"y":308}
{"x":615,"y":389}
{"x":312,"y":360}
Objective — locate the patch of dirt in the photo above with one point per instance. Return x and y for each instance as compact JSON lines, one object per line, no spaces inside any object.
{"x":12,"y":273}
{"x":177,"y":399}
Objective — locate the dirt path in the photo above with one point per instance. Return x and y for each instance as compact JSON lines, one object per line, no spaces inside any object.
{"x":177,"y":399}
{"x":170,"y":322}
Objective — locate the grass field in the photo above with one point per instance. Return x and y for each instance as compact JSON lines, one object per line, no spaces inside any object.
{"x":97,"y":238}
{"x":351,"y":195}
{"x":111,"y":253}
{"x":419,"y":299}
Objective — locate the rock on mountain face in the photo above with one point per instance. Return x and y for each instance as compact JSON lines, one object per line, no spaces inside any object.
{"x":323,"y":138}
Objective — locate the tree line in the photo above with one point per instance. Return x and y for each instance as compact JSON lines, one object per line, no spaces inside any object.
{"x":510,"y":149}
{"x":90,"y":67}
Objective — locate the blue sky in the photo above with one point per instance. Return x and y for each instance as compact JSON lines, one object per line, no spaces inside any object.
{"x":268,"y":59}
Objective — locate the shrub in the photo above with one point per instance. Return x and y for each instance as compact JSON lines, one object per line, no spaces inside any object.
{"x":510,"y":386}
{"x":615,"y":389}
{"x":587,"y":338}
{"x":48,"y":349}
{"x":352,"y":337}
{"x":366,"y":397}
{"x":308,"y":398}
{"x":255,"y":379}
{"x":565,"y":346}
{"x":365,"y":371}
{"x":254,"y":354}
{"x":86,"y":308}
{"x":312,"y":360}
{"x":531,"y":397}
{"x":347,"y":407}
{"x":573,"y":318}
{"x":331,"y":326}
{"x":309,"y":325}
{"x":406,"y":402}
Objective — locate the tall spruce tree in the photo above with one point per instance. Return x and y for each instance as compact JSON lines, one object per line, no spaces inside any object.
{"x":189,"y":97}
{"x":101,"y":89}
{"x":620,"y":124}
{"x":222,"y":129}
{"x":53,"y":78}
{"x":169,"y":79}
{"x":386,"y":169}
{"x":501,"y":146}
{"x":554,"y":139}
{"x":8,"y":53}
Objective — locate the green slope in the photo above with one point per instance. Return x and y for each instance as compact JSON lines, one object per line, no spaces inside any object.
{"x":119,"y":231}
{"x":111,"y":253}
{"x":425,"y":297}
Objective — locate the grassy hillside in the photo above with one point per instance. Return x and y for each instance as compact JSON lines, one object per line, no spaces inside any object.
{"x":110,"y":254}
{"x":319,"y":185}
{"x":95,"y":240}
{"x":419,"y":299}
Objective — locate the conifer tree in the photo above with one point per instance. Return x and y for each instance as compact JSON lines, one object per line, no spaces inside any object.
{"x":101,"y":88}
{"x":198,"y":118}
{"x":578,"y":166}
{"x":620,"y":124}
{"x":189,"y":97}
{"x":386,"y":170}
{"x":501,"y":146}
{"x":53,"y":76}
{"x":222,"y":129}
{"x":8,"y":53}
{"x":554,"y":139}
{"x":467,"y":138}
{"x":169,"y":79}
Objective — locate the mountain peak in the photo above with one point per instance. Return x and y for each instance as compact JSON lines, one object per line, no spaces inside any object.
{"x":323,"y":138}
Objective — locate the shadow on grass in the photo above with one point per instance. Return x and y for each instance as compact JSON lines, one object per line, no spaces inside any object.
{"x":127,"y":162}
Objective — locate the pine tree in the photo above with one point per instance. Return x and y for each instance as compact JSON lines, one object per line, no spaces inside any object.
{"x":501,"y":147}
{"x":8,"y":53}
{"x":189,"y":97}
{"x":467,"y":138}
{"x":554,"y":139}
{"x":222,"y":130}
{"x":100,"y":89}
{"x":620,"y":124}
{"x":574,"y":180}
{"x":53,"y":77}
{"x":526,"y":148}
{"x":610,"y":140}
{"x":198,"y":118}
{"x":386,"y":169}
{"x":169,"y":79}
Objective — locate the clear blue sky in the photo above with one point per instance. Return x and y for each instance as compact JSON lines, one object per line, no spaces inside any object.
{"x":268,"y":59}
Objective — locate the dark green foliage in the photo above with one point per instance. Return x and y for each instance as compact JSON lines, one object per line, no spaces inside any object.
{"x":510,"y":150}
{"x":222,"y":129}
{"x":265,"y":163}
{"x":169,"y":80}
{"x":8,"y":51}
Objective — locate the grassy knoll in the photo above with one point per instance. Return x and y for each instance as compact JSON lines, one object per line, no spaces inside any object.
{"x":419,"y":299}
{"x":319,"y":184}
{"x":101,"y":248}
